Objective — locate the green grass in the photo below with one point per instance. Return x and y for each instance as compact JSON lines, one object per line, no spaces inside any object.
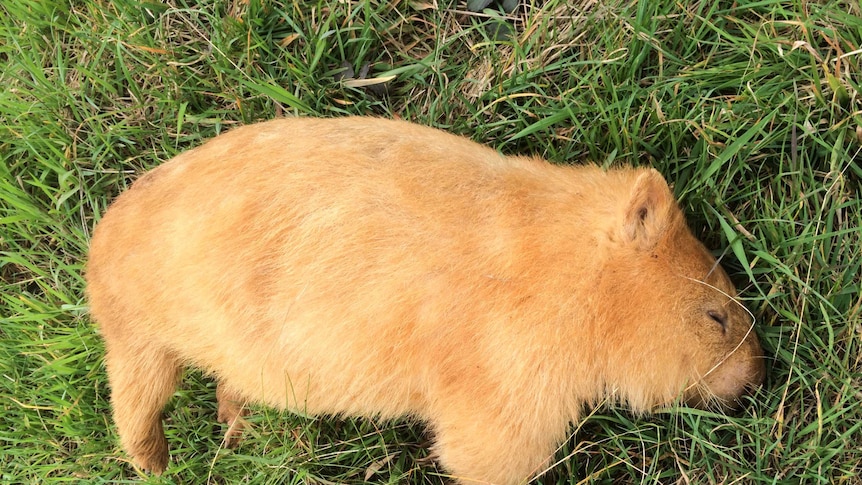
{"x":752,"y":108}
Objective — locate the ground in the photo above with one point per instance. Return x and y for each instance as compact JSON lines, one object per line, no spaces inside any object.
{"x":753,"y":109}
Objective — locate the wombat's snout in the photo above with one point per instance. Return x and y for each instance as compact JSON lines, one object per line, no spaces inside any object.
{"x":741,"y":373}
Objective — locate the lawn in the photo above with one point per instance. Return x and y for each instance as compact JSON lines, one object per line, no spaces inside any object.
{"x":752,"y":108}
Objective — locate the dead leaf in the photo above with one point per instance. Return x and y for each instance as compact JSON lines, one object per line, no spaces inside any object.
{"x":359,"y":83}
{"x":424,"y":5}
{"x":377,"y":466}
{"x":289,"y":39}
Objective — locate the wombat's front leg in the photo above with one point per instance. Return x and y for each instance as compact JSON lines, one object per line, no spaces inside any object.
{"x":142,"y":379}
{"x":231,"y":409}
{"x":478,"y":448}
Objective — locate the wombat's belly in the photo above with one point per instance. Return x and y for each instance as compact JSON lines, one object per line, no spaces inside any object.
{"x":303,"y":366}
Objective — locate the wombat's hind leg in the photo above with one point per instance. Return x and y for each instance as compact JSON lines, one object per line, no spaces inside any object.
{"x":142,"y":379}
{"x":231,"y":409}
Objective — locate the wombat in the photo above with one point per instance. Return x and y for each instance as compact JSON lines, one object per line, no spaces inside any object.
{"x":366,"y":267}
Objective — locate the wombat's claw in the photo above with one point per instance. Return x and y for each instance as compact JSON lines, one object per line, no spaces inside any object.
{"x":152,"y":456}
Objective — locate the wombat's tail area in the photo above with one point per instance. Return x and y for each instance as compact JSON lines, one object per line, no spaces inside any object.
{"x":142,"y":379}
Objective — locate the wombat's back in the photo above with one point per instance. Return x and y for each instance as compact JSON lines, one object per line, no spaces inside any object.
{"x":370,"y":244}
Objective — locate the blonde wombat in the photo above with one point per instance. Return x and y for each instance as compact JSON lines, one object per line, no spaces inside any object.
{"x":365,"y":267}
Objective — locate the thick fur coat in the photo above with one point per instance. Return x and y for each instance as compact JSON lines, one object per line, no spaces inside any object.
{"x":377,"y":268}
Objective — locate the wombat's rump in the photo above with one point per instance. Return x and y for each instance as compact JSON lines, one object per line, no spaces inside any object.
{"x":377,"y":268}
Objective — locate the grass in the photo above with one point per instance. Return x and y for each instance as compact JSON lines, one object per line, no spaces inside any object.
{"x":752,"y":108}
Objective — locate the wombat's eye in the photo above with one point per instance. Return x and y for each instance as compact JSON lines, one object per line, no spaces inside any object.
{"x":719,"y":317}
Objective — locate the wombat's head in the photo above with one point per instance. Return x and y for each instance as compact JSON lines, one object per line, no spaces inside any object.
{"x":672,"y":325}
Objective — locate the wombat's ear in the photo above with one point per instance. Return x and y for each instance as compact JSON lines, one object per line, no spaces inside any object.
{"x":648,"y":211}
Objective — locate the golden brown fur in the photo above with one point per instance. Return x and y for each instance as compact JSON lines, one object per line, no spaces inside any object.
{"x":377,"y":268}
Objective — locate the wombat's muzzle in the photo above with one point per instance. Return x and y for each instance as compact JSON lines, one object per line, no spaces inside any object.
{"x":738,"y":376}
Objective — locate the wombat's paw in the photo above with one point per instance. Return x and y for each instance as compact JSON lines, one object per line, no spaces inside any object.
{"x":151,"y":455}
{"x":233,"y":435}
{"x":230,"y":412}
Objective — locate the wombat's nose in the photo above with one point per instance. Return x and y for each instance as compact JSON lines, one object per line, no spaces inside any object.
{"x":755,"y":376}
{"x":735,"y":378}
{"x":757,"y":363}
{"x":759,"y":374}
